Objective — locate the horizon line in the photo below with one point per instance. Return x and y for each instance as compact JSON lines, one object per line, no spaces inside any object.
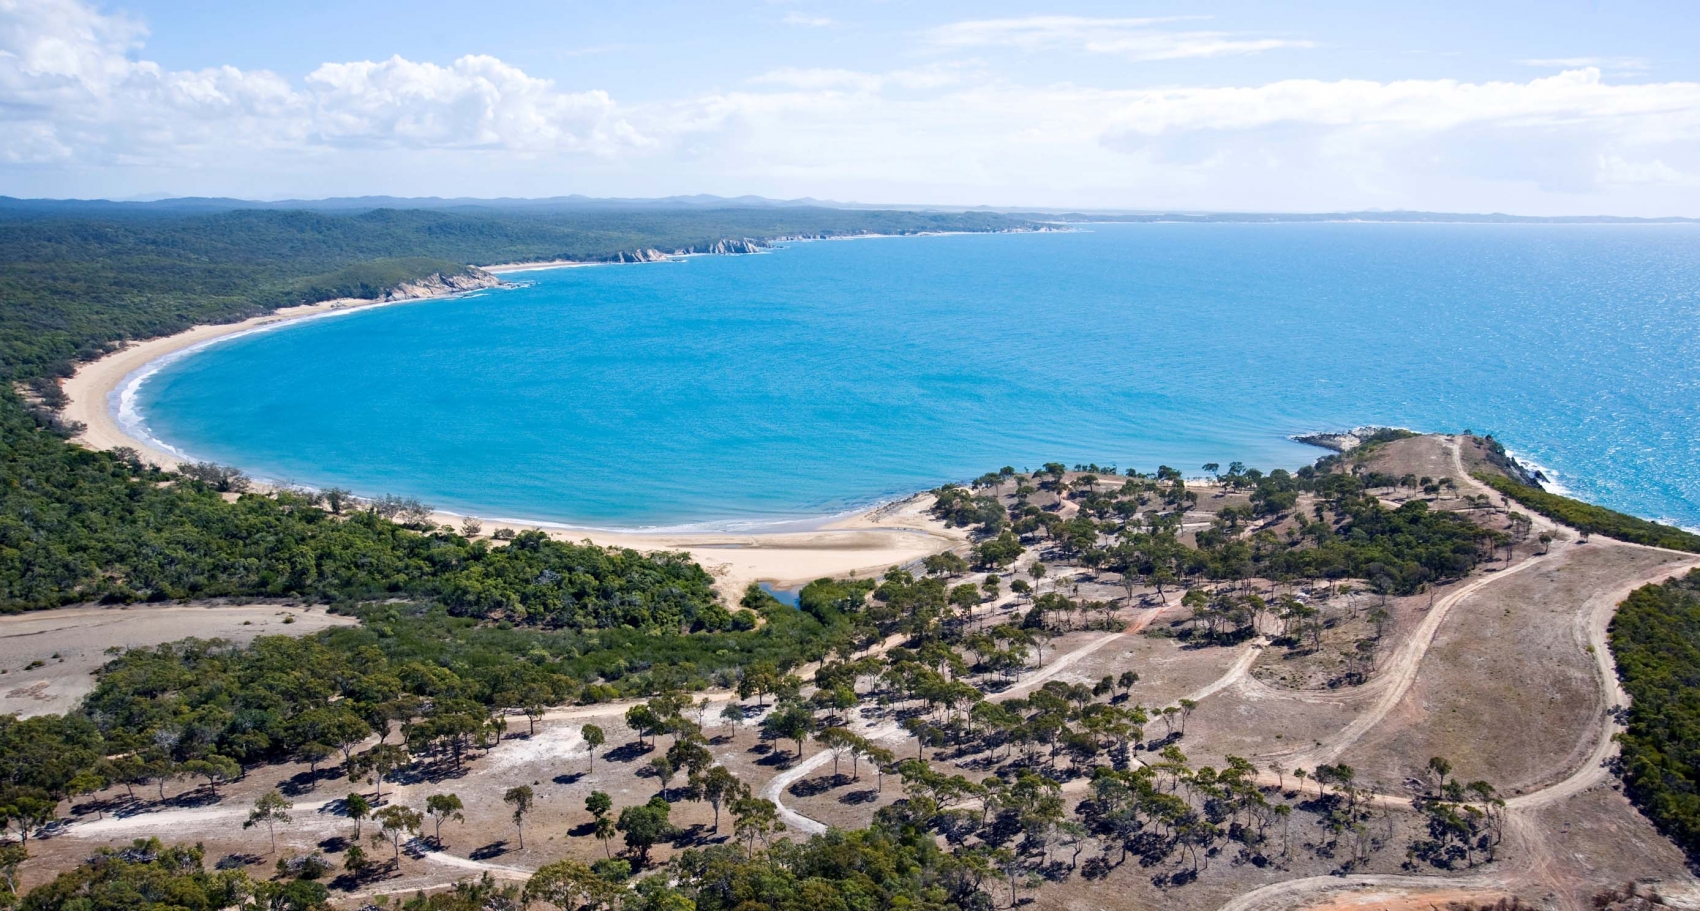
{"x":707,"y":200}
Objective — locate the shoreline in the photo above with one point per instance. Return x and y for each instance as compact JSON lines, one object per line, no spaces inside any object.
{"x":866,"y":541}
{"x":751,"y":247}
{"x":91,"y":390}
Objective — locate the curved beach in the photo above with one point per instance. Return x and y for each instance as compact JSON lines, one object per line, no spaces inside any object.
{"x":863,"y":543}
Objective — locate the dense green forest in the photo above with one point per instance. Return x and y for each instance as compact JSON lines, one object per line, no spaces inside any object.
{"x":1591,"y":519}
{"x":1656,"y":640}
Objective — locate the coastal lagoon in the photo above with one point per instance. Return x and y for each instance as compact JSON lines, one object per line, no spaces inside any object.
{"x":755,"y":391}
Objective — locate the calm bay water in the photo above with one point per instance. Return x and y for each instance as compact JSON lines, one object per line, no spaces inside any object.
{"x":825,"y":376}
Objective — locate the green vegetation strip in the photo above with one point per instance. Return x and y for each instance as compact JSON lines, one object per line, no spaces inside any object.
{"x":1656,"y":640}
{"x":1591,"y":519}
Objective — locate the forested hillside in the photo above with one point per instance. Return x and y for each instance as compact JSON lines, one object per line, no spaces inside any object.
{"x":1656,"y":640}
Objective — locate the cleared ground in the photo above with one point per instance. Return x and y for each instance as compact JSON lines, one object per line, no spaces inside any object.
{"x":48,"y":658}
{"x":1517,"y":716}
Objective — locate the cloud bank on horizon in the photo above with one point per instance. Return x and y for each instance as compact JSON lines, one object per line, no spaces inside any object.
{"x":961,"y":115}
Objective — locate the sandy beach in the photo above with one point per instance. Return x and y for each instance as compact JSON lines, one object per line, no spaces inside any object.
{"x":864,"y":543}
{"x":509,"y":268}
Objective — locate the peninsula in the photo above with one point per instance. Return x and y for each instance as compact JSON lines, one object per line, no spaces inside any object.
{"x":1402,"y":676}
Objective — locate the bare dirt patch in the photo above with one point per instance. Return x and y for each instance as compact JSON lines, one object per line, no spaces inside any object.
{"x":1598,"y":838}
{"x":48,"y":658}
{"x":1508,"y":692}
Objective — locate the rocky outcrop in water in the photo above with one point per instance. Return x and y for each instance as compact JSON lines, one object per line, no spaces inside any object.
{"x":726,"y":246}
{"x":440,"y":283}
{"x":1344,"y":441}
{"x":729,"y":247}
{"x":638,"y":256}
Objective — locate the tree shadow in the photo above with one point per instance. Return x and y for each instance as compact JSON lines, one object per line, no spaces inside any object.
{"x":307,"y":782}
{"x":337,"y":807}
{"x":437,"y":770}
{"x":628,"y":752}
{"x":334,"y":844}
{"x":198,"y":797}
{"x":809,"y":787}
{"x":569,"y":778}
{"x":855,"y":798}
{"x":694,"y":834}
{"x":493,"y":849}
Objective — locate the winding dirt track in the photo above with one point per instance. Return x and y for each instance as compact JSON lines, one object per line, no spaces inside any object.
{"x":1401,"y":672}
{"x":1538,"y":867}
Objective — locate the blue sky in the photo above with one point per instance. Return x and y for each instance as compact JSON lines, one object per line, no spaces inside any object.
{"x":1574,"y":106}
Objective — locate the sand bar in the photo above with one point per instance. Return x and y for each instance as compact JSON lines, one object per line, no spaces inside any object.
{"x":864,"y":543}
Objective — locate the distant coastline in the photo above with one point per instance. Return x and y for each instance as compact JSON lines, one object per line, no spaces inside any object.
{"x":703,"y":202}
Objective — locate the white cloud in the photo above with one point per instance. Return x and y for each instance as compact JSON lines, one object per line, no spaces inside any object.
{"x":78,"y":98}
{"x":1133,"y":38}
{"x":1615,"y":170}
{"x":58,"y":50}
{"x":819,"y":78}
{"x":71,"y":87}
{"x":475,"y":102}
{"x":1293,"y":144}
{"x":1423,"y":105}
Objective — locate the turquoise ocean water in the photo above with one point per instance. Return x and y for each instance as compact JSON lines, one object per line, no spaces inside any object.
{"x":750,"y":390}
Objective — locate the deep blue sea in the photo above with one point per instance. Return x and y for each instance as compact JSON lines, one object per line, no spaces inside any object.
{"x":824,"y":376}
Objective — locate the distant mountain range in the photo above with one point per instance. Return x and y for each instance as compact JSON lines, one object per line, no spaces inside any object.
{"x":703,"y":201}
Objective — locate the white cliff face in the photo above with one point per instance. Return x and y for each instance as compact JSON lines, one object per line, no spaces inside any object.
{"x":439,"y":284}
{"x":723,"y":247}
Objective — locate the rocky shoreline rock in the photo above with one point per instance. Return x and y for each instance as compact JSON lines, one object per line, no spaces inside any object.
{"x":738,"y":246}
{"x":1342,"y":441}
{"x":439,"y":284}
